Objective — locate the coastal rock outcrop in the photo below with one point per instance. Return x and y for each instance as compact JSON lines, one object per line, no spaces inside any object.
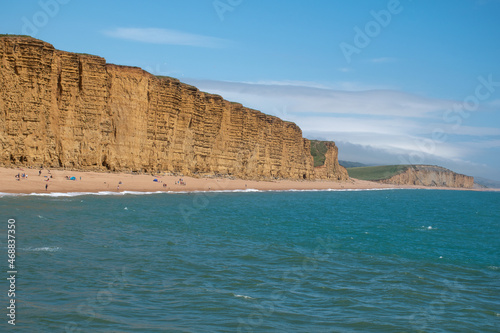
{"x":429,"y":175}
{"x":67,"y":110}
{"x":331,"y":169}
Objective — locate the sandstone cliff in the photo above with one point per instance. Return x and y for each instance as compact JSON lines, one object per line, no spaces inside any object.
{"x":331,"y":169}
{"x":68,"y":110}
{"x":428,"y":175}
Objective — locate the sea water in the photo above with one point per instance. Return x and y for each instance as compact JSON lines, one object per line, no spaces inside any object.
{"x":317,"y":261}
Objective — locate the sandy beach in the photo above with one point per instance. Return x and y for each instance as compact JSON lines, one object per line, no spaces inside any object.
{"x":65,"y":181}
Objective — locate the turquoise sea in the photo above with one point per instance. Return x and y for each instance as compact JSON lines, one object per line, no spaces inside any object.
{"x":317,"y":261}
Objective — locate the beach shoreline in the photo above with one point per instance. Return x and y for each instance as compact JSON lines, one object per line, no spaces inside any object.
{"x":67,"y":181}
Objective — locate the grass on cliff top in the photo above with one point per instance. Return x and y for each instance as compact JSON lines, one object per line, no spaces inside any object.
{"x":318,"y":151}
{"x":376,"y":172}
{"x":350,"y":164}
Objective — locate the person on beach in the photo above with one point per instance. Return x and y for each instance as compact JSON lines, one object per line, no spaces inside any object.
{"x":46,"y":186}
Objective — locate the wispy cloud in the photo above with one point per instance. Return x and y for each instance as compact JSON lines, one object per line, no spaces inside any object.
{"x":344,"y":69}
{"x":483,"y":145}
{"x":318,"y":99}
{"x":290,"y":83}
{"x":471,"y":131}
{"x":494,"y":104}
{"x":394,"y":143}
{"x":345,"y":86}
{"x":166,"y":36}
{"x":382,"y":60}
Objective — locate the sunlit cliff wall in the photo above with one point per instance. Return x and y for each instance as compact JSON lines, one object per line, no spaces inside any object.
{"x":61,"y":109}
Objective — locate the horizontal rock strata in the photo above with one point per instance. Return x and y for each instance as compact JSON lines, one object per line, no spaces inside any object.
{"x":67,"y":110}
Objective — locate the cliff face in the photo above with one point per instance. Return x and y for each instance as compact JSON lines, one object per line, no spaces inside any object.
{"x":428,"y":175}
{"x":61,"y":109}
{"x":331,"y":169}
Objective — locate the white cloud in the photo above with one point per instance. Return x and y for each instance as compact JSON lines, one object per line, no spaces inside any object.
{"x":298,"y":98}
{"x":166,"y":36}
{"x":353,"y":125}
{"x":396,"y":144}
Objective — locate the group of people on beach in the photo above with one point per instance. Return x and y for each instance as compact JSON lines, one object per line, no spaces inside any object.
{"x":23,"y":176}
{"x":47,"y":178}
{"x":177,"y":182}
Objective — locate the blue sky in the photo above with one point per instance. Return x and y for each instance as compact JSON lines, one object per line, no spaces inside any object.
{"x":390,"y":81}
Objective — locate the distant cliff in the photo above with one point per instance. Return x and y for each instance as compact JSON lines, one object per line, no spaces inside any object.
{"x":62,"y":109}
{"x":429,"y":175}
{"x":424,"y":175}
